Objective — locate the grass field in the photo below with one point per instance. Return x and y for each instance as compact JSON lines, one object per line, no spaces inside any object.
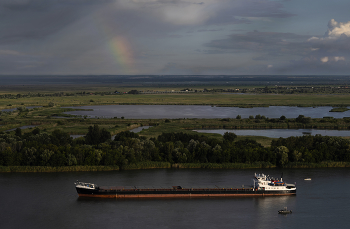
{"x":239,"y":100}
{"x":90,"y":94}
{"x":45,"y":116}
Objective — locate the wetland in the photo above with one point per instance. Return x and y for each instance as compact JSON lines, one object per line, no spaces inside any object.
{"x":171,"y":109}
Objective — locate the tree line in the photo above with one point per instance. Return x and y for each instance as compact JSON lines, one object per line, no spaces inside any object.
{"x":97,"y":148}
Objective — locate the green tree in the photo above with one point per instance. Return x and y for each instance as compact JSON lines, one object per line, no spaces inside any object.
{"x":36,"y":131}
{"x":30,"y":155}
{"x":296,"y":156}
{"x":18,"y":132}
{"x":71,"y":160}
{"x":58,"y":137}
{"x":215,"y":155}
{"x":229,"y":137}
{"x":45,"y":156}
{"x":281,"y":155}
{"x":93,"y":135}
{"x":96,"y":136}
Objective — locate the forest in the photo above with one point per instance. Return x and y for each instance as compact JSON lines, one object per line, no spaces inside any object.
{"x":98,"y":149}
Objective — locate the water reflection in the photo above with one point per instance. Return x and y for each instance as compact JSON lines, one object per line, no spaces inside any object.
{"x":135,"y":130}
{"x":74,"y":136}
{"x":139,"y":129}
{"x":191,"y":111}
{"x":22,"y":127}
{"x":13,"y":109}
{"x":277,"y":133}
{"x":51,"y":199}
{"x":267,"y":210}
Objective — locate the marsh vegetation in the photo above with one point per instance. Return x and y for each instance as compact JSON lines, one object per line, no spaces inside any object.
{"x":170,"y":142}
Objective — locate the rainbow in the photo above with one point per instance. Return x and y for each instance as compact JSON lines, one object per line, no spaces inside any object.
{"x":121,"y":50}
{"x":118,"y":46}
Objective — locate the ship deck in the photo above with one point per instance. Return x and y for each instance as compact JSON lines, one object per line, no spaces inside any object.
{"x":171,"y":188}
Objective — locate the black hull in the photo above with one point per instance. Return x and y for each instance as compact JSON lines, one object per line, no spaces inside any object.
{"x":178,"y":193}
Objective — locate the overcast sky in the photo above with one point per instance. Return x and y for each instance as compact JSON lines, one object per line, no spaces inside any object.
{"x":159,"y":37}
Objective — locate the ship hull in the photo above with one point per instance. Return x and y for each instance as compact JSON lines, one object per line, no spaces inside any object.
{"x":203,"y":193}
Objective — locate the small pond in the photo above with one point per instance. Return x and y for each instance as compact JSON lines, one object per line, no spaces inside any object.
{"x":195,"y":111}
{"x":22,"y":127}
{"x":135,"y":130}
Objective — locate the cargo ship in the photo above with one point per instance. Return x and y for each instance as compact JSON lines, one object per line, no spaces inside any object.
{"x":262,"y":185}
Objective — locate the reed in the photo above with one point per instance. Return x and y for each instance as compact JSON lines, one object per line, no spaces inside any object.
{"x":148,"y":165}
{"x":323,"y":164}
{"x":223,"y":166}
{"x":35,"y":169}
{"x":167,"y":165}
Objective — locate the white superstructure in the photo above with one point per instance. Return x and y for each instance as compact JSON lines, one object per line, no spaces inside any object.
{"x":264,"y":182}
{"x":84,"y":185}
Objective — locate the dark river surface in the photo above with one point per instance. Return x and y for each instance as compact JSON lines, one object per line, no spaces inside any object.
{"x":194,"y":111}
{"x":49,"y":200}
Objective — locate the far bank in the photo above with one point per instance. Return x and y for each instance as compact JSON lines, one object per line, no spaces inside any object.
{"x":162,"y":165}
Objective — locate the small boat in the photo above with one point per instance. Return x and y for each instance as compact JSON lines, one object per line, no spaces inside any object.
{"x":307,"y":178}
{"x":285,"y":211}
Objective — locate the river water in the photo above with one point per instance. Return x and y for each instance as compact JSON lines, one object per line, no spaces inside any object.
{"x":279,"y":133}
{"x":49,"y":200}
{"x":194,"y":111}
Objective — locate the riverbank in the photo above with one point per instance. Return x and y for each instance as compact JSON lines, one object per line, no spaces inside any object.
{"x":163,"y":165}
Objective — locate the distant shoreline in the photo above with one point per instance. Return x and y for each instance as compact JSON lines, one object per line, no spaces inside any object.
{"x":166,"y":165}
{"x":40,"y":80}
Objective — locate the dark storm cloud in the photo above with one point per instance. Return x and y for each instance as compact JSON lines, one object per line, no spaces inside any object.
{"x":313,"y":65}
{"x":196,"y":69}
{"x":272,"y":43}
{"x":329,"y":56}
{"x":214,"y":12}
{"x":74,"y":36}
{"x":330,"y":53}
{"x":36,"y":19}
{"x":292,"y":53}
{"x":227,"y":18}
{"x":249,"y":8}
{"x":209,"y":30}
{"x":336,"y":45}
{"x":262,"y":8}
